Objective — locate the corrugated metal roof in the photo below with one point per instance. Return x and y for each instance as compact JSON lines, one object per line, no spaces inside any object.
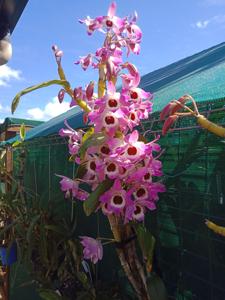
{"x":201,"y":75}
{"x":74,"y":117}
{"x":17,"y":122}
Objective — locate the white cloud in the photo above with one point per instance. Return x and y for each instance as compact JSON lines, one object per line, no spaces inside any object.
{"x":216,"y":20}
{"x":7,"y":74}
{"x":202,"y":24}
{"x":51,"y":109}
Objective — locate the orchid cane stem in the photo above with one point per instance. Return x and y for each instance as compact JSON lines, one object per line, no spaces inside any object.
{"x":128,"y":258}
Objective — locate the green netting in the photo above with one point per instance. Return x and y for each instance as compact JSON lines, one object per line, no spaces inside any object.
{"x":190,"y":257}
{"x":200,"y":75}
{"x":45,"y":158}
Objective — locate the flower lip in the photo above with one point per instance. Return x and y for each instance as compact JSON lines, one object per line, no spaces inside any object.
{"x":132,"y":116}
{"x":137,"y":210}
{"x":141,"y":193}
{"x":148,"y":177}
{"x":91,"y":166}
{"x":109,"y":120}
{"x":112,"y":103}
{"x":105,"y":150}
{"x":132,"y":150}
{"x":117,"y":201}
{"x":138,"y":214}
{"x":111,"y":167}
{"x":133,"y":95}
{"x":109,"y":23}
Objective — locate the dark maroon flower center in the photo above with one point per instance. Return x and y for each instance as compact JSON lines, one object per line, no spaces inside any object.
{"x":105,"y":150}
{"x":118,"y":200}
{"x":111,"y":167}
{"x":141,"y":192}
{"x":133,"y":95}
{"x":93,"y":165}
{"x":132,"y":116}
{"x":112,"y":103}
{"x":109,"y":120}
{"x":132,"y":150}
{"x":147,"y":176}
{"x":137,"y":210}
{"x":109,"y":23}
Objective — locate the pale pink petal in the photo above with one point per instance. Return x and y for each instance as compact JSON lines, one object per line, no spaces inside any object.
{"x":133,"y":138}
{"x":112,"y":10}
{"x":111,"y":88}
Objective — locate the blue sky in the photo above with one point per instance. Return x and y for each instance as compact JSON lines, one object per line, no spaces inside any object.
{"x":172,"y":29}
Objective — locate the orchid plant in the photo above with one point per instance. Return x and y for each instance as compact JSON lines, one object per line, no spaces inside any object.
{"x":114,"y":160}
{"x":119,"y":165}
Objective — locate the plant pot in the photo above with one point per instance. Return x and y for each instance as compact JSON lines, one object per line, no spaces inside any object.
{"x":8,"y":256}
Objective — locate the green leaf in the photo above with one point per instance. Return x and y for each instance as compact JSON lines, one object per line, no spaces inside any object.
{"x":43,"y":245}
{"x":22,"y":132}
{"x":92,"y":202}
{"x":156,"y":287}
{"x":94,"y":140}
{"x":16,"y":143}
{"x":31,"y":227}
{"x":49,"y":294}
{"x":16,"y":100}
{"x":56,"y":229}
{"x":80,"y":171}
{"x":147,"y":242}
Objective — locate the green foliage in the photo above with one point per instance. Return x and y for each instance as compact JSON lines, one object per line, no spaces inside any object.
{"x":95,"y":139}
{"x":47,"y":294}
{"x":16,"y":100}
{"x":156,"y":287}
{"x":147,"y":243}
{"x":46,"y":245}
{"x":91,"y":204}
{"x":22,"y":132}
{"x":16,"y":143}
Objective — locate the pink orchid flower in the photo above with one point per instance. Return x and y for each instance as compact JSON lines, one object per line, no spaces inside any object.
{"x":71,"y":188}
{"x":93,"y":249}
{"x":115,"y":198}
{"x":85,"y":61}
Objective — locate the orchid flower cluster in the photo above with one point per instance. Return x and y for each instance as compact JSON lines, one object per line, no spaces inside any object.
{"x":122,"y":156}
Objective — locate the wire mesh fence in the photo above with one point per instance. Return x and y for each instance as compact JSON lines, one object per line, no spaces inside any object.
{"x":189,"y":257}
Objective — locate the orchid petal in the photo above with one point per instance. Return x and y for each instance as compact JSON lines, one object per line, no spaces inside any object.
{"x":168,"y":123}
{"x":112,"y":10}
{"x":133,"y":138}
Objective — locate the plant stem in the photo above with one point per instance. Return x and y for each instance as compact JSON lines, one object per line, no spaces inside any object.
{"x":128,"y":258}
